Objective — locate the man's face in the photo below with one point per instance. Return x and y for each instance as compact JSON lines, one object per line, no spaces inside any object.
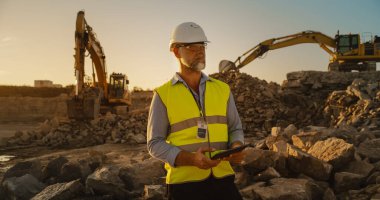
{"x":193,"y":55}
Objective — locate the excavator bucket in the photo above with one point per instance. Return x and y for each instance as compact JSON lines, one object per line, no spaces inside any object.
{"x":226,"y":65}
{"x":83,"y":108}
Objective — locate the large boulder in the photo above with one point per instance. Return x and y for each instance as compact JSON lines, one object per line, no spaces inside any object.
{"x":301,"y":162}
{"x":154,"y":192}
{"x":32,"y":167}
{"x":266,"y":175}
{"x":359,"y":167}
{"x":290,"y":130}
{"x":105,"y":181}
{"x":53,"y":168}
{"x":369,"y":192}
{"x":61,"y":191}
{"x":295,"y":189}
{"x":249,"y":191}
{"x":335,"y":151}
{"x":70,"y":171}
{"x":370,"y":149}
{"x":257,"y":160}
{"x":21,"y":188}
{"x":147,"y":172}
{"x":306,"y":140}
{"x":344,"y":181}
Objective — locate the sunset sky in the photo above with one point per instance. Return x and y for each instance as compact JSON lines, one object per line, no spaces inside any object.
{"x":37,"y":37}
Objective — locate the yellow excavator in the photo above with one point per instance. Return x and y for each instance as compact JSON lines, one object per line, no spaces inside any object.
{"x":346,"y":51}
{"x":98,"y":96}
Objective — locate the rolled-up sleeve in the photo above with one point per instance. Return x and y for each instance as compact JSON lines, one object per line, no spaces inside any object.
{"x":157,"y":131}
{"x":235,"y":128}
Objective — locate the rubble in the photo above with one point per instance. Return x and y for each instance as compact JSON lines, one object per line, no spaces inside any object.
{"x":358,"y":105}
{"x":257,"y":101}
{"x":305,"y":98}
{"x":104,"y":180}
{"x":110,"y":128}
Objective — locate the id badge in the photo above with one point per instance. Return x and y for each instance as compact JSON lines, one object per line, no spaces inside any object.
{"x":202,"y":129}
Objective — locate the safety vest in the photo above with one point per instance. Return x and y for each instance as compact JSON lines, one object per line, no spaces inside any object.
{"x":184,"y":115}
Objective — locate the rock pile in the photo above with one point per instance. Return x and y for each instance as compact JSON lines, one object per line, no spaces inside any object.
{"x":110,"y":128}
{"x":262,"y":105}
{"x":358,"y":105}
{"x":258,"y":102}
{"x":312,"y":163}
{"x":316,"y":87}
{"x":300,"y":100}
{"x":309,"y":81}
{"x":91,"y":177}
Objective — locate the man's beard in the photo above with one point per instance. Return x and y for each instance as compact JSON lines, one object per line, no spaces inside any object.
{"x":197,"y":66}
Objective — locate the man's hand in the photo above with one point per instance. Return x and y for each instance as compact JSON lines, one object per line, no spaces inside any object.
{"x":236,"y":158}
{"x":203,"y":162}
{"x":197,"y":159}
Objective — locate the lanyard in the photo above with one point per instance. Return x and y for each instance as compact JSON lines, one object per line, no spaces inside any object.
{"x":198,"y":104}
{"x":203,"y":117}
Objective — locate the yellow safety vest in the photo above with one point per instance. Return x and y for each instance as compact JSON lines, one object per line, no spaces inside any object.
{"x":183,"y":114}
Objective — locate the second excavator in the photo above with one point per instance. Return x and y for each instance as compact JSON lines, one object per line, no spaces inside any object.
{"x":347,"y":52}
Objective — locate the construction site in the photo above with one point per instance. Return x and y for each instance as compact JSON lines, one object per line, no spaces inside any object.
{"x":314,"y":136}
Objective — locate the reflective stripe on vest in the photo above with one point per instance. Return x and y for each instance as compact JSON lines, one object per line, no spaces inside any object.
{"x":183,"y":115}
{"x":193,"y":122}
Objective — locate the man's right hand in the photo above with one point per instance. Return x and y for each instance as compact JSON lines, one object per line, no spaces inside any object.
{"x":197,"y":159}
{"x":203,"y":162}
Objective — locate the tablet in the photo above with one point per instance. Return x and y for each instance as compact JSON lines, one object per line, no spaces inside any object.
{"x":226,"y":153}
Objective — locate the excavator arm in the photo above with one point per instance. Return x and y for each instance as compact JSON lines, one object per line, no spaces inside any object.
{"x":85,"y":38}
{"x":323,"y":40}
{"x":98,"y":58}
{"x":80,"y":50}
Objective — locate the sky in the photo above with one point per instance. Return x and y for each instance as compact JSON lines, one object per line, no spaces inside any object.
{"x":37,"y":36}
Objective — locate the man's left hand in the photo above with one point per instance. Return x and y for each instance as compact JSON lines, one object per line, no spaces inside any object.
{"x":235,"y":158}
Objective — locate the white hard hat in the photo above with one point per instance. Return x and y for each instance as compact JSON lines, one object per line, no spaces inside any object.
{"x":188,"y":32}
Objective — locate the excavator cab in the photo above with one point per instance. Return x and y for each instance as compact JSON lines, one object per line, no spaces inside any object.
{"x":118,"y":93}
{"x":117,"y":85}
{"x":346,"y":43}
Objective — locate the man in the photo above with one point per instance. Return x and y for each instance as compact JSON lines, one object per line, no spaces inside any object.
{"x":191,"y":118}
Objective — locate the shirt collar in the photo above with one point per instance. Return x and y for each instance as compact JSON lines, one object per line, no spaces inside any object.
{"x":177,"y":78}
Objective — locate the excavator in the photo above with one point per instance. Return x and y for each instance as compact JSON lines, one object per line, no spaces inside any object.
{"x":346,"y":52}
{"x":98,"y":96}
